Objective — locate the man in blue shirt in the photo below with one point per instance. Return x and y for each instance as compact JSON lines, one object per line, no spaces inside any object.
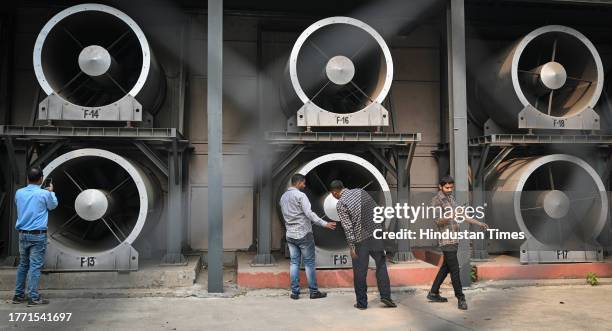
{"x":33,"y":205}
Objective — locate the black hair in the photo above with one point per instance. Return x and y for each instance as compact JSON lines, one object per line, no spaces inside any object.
{"x":336,"y":185}
{"x":297,"y":178}
{"x":446,"y":180}
{"x":34,"y":174}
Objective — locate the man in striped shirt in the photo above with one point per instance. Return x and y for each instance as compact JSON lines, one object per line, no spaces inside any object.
{"x":299,"y":217}
{"x":356,"y":213}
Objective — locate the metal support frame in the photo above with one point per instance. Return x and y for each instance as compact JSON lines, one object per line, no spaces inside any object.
{"x":17,"y":178}
{"x":146,"y":150}
{"x":44,"y":156}
{"x":481,"y":173}
{"x":402,"y":144}
{"x":264,"y":218}
{"x":214,"y":110}
{"x":175,"y":221}
{"x":403,"y":162}
{"x":455,"y":34}
{"x":151,"y":142}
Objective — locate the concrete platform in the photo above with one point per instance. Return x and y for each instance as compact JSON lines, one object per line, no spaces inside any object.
{"x":277,"y":276}
{"x":150,"y":275}
{"x":504,"y":267}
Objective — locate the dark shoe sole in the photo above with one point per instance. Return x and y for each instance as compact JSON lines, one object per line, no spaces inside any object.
{"x":319,"y":295}
{"x":388,"y":303}
{"x":294,"y":297}
{"x":359,"y":307}
{"x":439,"y":299}
{"x":37,"y":304}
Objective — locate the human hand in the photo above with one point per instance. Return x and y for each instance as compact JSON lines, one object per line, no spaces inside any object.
{"x":483,"y":226}
{"x":49,"y":188}
{"x":331,"y":225}
{"x":353,"y":253}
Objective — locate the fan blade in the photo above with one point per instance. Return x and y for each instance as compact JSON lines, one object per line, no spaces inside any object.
{"x":80,"y":44}
{"x":73,"y":181}
{"x":550,"y":98}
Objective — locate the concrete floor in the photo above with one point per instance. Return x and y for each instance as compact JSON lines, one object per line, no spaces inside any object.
{"x":569,"y":307}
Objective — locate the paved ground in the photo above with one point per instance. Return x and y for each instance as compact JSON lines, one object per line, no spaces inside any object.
{"x":569,"y":307}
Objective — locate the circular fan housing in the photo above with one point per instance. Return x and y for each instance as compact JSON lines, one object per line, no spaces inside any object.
{"x":558,"y":200}
{"x":93,"y":55}
{"x":554,"y":70}
{"x":340,"y":64}
{"x":354,"y":172}
{"x":105,"y":200}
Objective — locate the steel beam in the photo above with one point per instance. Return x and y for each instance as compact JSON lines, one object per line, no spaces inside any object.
{"x":174,"y":222}
{"x":380,"y":157}
{"x":404,"y":252}
{"x":153,"y":157}
{"x":215,"y":153}
{"x":455,"y":34}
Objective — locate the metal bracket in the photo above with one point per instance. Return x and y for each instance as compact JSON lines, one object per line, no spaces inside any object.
{"x":287,"y":159}
{"x":312,"y":115}
{"x":531,"y":118}
{"x":153,"y":157}
{"x":48,"y":153}
{"x":55,"y":107}
{"x":496,"y":161}
{"x":392,"y":170}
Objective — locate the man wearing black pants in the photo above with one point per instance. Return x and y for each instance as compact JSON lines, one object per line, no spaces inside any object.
{"x":444,"y":199}
{"x":356,"y":214}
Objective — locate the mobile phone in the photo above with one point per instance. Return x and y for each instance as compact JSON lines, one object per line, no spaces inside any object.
{"x":48,"y":181}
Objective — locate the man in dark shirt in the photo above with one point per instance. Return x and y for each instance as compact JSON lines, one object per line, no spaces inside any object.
{"x":449,"y":246}
{"x":356,"y":213}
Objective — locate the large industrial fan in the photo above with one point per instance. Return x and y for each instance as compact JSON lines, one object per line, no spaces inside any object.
{"x":105,"y":202}
{"x":558,"y":201}
{"x":549,"y":79}
{"x":95,"y":64}
{"x":355,"y":172}
{"x":338,"y":74}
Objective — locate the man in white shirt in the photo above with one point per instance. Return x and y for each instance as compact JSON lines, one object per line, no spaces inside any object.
{"x":299,"y":217}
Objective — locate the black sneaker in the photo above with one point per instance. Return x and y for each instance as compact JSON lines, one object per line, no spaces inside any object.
{"x":37,"y":302}
{"x":461,"y":304}
{"x":17,"y":300}
{"x":317,"y":295}
{"x":295,"y":296}
{"x":435,"y":297}
{"x":388,"y":302}
{"x":360,"y":307}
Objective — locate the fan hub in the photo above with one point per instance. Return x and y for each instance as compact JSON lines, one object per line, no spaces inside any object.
{"x":556,"y":204}
{"x":329,"y":205}
{"x":94,"y":60}
{"x":340,"y":70}
{"x":553,"y":75}
{"x":91,"y":204}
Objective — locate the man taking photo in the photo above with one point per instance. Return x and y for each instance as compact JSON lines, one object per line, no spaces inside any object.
{"x":33,"y":205}
{"x":298,"y":218}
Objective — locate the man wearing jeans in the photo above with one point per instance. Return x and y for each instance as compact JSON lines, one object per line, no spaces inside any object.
{"x":33,"y":205}
{"x":298,"y":222}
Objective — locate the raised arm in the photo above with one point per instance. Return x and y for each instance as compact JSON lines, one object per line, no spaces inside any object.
{"x":50,"y":200}
{"x":306,"y":208}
